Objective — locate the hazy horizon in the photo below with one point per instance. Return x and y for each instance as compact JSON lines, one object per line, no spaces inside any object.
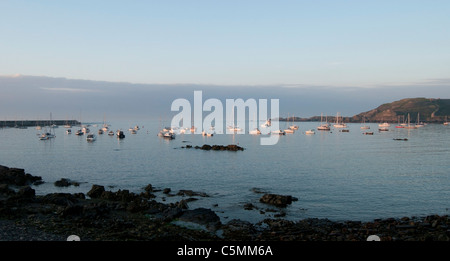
{"x":35,"y":97}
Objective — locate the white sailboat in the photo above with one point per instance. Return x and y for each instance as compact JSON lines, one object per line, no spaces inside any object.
{"x":339,"y":124}
{"x":446,"y":121}
{"x":365,"y":127}
{"x":418,"y":123}
{"x":409,"y":124}
{"x":323,"y":127}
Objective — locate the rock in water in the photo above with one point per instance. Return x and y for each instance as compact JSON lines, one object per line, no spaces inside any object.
{"x":277,"y":200}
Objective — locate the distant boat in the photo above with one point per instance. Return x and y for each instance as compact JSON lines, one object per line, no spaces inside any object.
{"x":279,"y":132}
{"x":418,"y":123}
{"x":255,"y":132}
{"x":100,"y":131}
{"x":365,"y":127}
{"x":69,"y":131}
{"x":289,"y":130}
{"x":168,"y":135}
{"x":111,"y":133}
{"x":383,"y":129}
{"x":409,"y":124}
{"x":384,"y":125}
{"x":368,"y":133}
{"x":120,"y":134}
{"x":209,"y":134}
{"x":91,"y":137}
{"x":234,"y":128}
{"x":46,"y":136}
{"x":79,"y":133}
{"x":268,"y":123}
{"x":339,"y":124}
{"x":446,"y":121}
{"x":309,"y":132}
{"x":293,"y":126}
{"x":323,"y":126}
{"x":133,"y":131}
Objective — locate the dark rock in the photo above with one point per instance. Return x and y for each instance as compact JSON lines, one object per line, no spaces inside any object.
{"x":206,"y":147}
{"x":26,"y":192}
{"x":15,"y":176}
{"x":277,"y":200}
{"x":4,"y":189}
{"x":61,"y":199}
{"x":72,"y":210}
{"x":249,"y":206}
{"x":191,"y":193}
{"x":182,"y":204}
{"x":166,"y":190}
{"x":66,"y":183}
{"x":202,"y":216}
{"x":231,"y":147}
{"x":96,"y":191}
{"x":149,"y":188}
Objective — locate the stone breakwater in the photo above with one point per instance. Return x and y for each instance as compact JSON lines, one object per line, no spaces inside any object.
{"x":103,"y":215}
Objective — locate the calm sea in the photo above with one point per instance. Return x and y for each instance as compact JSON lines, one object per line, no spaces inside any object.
{"x":335,"y":175}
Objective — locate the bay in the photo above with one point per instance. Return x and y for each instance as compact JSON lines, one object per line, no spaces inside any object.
{"x":335,"y":175}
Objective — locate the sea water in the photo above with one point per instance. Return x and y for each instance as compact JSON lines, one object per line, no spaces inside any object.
{"x":333,"y":174}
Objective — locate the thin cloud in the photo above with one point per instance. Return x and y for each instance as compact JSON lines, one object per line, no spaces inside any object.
{"x":71,"y":90}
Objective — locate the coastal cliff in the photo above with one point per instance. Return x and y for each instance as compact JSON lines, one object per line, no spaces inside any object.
{"x":429,"y":110}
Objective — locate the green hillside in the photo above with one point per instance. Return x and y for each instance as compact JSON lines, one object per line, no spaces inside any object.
{"x":428,"y":109}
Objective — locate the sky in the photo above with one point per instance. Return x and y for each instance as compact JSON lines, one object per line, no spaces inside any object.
{"x":234,"y":42}
{"x":88,"y":57}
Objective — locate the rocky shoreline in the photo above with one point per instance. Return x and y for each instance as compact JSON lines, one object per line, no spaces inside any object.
{"x":103,"y":215}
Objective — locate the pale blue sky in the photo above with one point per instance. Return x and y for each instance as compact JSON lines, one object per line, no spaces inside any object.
{"x":242,"y":42}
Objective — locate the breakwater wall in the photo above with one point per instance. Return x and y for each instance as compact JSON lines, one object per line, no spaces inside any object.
{"x":34,"y":123}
